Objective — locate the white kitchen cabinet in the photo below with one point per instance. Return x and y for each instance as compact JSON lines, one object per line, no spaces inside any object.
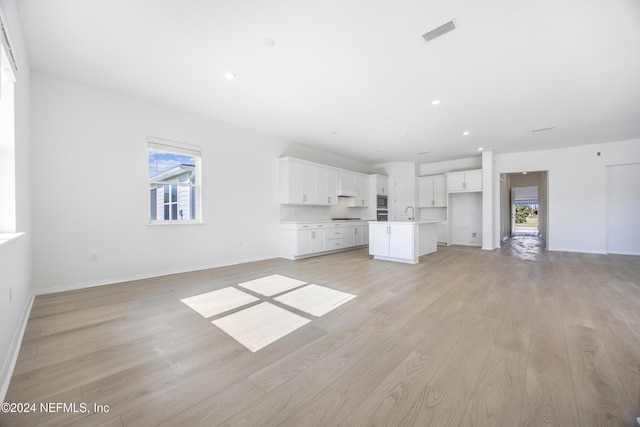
{"x":309,"y":184}
{"x":402,"y":241}
{"x":298,"y":182}
{"x":432,"y":191}
{"x":467,"y":181}
{"x":311,"y":241}
{"x":305,"y":239}
{"x":379,"y":239}
{"x":335,"y":237}
{"x":393,"y":241}
{"x":356,"y":235}
{"x":382,"y":185}
{"x":327,"y":186}
{"x":306,"y":183}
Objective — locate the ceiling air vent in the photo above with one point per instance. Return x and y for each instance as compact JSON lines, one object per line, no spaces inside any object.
{"x":543,"y":129}
{"x":441,"y":30}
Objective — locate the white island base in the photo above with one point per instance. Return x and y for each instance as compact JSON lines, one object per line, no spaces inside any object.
{"x":402,"y":241}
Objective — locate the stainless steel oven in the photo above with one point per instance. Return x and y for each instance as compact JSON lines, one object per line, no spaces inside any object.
{"x":382,"y":215}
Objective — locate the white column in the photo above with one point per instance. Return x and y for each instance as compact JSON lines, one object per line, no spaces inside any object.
{"x":488,"y":197}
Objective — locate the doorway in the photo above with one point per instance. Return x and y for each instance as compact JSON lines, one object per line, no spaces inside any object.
{"x":524,"y":205}
{"x":524,"y":211}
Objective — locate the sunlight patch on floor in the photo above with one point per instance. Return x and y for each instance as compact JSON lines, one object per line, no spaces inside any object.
{"x":216,"y":302}
{"x":315,"y":300}
{"x":260,"y":325}
{"x":272,"y":285}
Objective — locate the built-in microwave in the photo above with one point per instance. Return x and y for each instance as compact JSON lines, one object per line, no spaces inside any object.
{"x":382,"y":202}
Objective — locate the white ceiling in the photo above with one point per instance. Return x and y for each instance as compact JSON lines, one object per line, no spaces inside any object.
{"x":355,"y":77}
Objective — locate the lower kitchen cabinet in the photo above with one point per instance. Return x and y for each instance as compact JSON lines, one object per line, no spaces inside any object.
{"x":311,"y":241}
{"x":393,"y":241}
{"x":305,"y":239}
{"x":402,"y":241}
{"x":357,"y":235}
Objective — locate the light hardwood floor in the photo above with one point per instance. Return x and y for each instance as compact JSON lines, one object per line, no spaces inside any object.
{"x":510,"y":337}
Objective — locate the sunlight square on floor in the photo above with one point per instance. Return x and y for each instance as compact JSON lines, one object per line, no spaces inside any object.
{"x":315,"y":300}
{"x":260,"y":325}
{"x":272,"y":285}
{"x":215,"y":302}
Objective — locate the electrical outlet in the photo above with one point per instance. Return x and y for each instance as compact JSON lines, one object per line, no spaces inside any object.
{"x":473,"y":234}
{"x":93,"y":257}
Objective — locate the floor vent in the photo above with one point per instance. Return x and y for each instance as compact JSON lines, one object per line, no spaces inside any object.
{"x":441,"y":30}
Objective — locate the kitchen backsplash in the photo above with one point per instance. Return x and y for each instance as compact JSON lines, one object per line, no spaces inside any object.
{"x":321,"y":213}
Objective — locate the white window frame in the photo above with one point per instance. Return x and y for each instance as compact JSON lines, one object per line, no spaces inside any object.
{"x":174,"y":147}
{"x":8,"y":70}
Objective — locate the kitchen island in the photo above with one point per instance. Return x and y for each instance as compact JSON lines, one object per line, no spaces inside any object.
{"x":402,"y":241}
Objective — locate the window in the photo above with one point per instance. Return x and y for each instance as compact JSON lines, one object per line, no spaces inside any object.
{"x":174,"y":179}
{"x":8,"y":69}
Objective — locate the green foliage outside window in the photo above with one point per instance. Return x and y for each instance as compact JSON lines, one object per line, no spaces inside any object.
{"x":522,"y":213}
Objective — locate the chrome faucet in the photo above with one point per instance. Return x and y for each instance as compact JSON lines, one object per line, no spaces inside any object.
{"x":413,"y":213}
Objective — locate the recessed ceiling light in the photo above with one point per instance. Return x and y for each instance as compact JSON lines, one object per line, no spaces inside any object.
{"x":334,"y":132}
{"x":229,"y":76}
{"x":435,"y":102}
{"x":465,"y":133}
{"x":480,"y":148}
{"x":524,"y":173}
{"x":269,"y":42}
{"x":378,"y":150}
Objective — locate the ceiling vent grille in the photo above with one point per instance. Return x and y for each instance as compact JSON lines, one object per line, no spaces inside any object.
{"x":441,"y":30}
{"x":543,"y":129}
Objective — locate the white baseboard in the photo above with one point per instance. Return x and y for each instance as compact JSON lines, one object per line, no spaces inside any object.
{"x":12,"y":356}
{"x":123,"y":279}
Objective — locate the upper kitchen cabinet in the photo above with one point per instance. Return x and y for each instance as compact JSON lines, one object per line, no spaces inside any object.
{"x":382,"y":185}
{"x":466,"y":181}
{"x":327,"y":186}
{"x":307,"y":183}
{"x":432,"y":191}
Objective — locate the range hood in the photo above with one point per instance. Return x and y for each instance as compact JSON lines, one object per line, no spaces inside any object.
{"x":347,"y":187}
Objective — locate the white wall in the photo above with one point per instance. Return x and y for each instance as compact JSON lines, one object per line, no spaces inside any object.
{"x":465,"y":218}
{"x":577,"y":199}
{"x":15,"y":255}
{"x":436,"y":168}
{"x":91,"y":193}
{"x":623,"y":206}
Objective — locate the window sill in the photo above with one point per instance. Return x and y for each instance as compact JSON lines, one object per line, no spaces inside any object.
{"x":173,"y":223}
{"x":7,"y":237}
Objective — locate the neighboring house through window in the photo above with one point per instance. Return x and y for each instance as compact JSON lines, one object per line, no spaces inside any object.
{"x":173,"y":182}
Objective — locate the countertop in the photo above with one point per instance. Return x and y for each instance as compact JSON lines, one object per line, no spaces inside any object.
{"x":327,"y":221}
{"x":417,"y":221}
